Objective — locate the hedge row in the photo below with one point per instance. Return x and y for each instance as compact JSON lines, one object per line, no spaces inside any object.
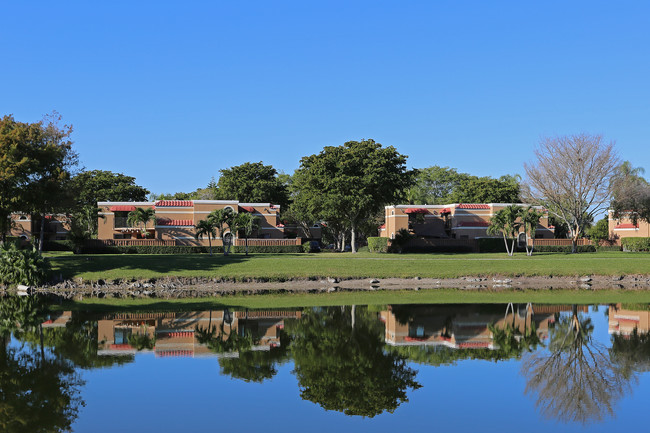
{"x":635,"y":244}
{"x":378,"y":245}
{"x":58,"y":246}
{"x":438,"y":249}
{"x":147,"y":249}
{"x":564,"y":249}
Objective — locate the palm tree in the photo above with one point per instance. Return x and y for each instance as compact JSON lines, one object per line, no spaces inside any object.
{"x":247,"y":223}
{"x":505,"y":222}
{"x":530,"y":218}
{"x":221,"y":218}
{"x":206,"y":228}
{"x":141,"y":215}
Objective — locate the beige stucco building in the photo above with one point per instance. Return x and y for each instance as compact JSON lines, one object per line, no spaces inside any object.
{"x":625,"y":228}
{"x":451,"y":221}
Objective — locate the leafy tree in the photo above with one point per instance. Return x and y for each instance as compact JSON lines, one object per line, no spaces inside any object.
{"x":22,"y":266}
{"x":631,"y":352}
{"x":505,"y":222}
{"x":141,"y":216}
{"x":530,"y":219}
{"x":487,"y":190}
{"x":252,"y":182}
{"x":222,"y":218}
{"x":347,"y":184}
{"x":15,"y":166}
{"x":341,"y":364}
{"x":247,"y":224}
{"x":100,"y":185}
{"x":571,"y":177}
{"x":599,"y":232}
{"x":402,"y":238}
{"x":631,"y":193}
{"x":206,"y":228}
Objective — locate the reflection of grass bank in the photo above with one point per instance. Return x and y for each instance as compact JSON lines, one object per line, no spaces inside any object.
{"x":282,"y":267}
{"x":440,"y":296}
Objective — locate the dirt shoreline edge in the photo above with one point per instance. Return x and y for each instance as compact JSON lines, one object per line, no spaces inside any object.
{"x":175,"y":287}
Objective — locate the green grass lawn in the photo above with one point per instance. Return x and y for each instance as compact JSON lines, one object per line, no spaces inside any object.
{"x":279,"y":267}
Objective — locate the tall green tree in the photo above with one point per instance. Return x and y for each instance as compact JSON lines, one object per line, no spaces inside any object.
{"x":348,"y":184}
{"x":252,"y":182}
{"x":221,"y":219}
{"x":630,"y":193}
{"x":100,"y":185}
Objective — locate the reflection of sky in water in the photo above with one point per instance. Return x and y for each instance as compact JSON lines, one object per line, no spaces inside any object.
{"x":189,"y":394}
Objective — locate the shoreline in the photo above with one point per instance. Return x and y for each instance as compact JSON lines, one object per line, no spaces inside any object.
{"x":182,"y":287}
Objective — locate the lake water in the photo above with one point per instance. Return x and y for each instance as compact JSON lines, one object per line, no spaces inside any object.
{"x":461,"y":368}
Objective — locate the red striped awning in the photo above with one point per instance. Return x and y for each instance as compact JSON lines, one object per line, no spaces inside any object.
{"x":382,"y":227}
{"x":445,"y":210}
{"x":170,"y":222}
{"x":417,"y":210}
{"x":175,"y":203}
{"x":627,"y":226}
{"x":472,"y":206}
{"x":249,"y":209}
{"x":122,"y":208}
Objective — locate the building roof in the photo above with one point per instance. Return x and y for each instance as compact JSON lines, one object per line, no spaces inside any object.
{"x":122,"y":208}
{"x":627,"y":226}
{"x":472,"y":206}
{"x":174,"y":203}
{"x":417,"y":210}
{"x":170,"y":222}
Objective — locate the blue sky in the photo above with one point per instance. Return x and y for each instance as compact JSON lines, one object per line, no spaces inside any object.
{"x":171,"y":92}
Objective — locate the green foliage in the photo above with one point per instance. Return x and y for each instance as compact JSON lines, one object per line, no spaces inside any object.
{"x":100,"y":185}
{"x":402,"y":238}
{"x":565,"y":249}
{"x":378,"y":244}
{"x":206,"y":228}
{"x":599,"y":232}
{"x":492,"y":245}
{"x":151,"y":249}
{"x":252,"y":182}
{"x":444,"y":185}
{"x":432,"y":249}
{"x":142,"y":341}
{"x":636,"y":244}
{"x":507,"y":223}
{"x":609,"y":248}
{"x":18,"y":266}
{"x":306,"y":247}
{"x":341,"y":364}
{"x":631,"y":193}
{"x":58,"y":246}
{"x":346,"y":185}
{"x":141,"y":216}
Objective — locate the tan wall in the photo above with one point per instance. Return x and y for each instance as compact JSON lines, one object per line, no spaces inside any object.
{"x":623,"y":321}
{"x":21,"y":225}
{"x":641,"y":231}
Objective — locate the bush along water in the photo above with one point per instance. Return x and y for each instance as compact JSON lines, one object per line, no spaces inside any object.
{"x":636,"y":244}
{"x":26,"y":266}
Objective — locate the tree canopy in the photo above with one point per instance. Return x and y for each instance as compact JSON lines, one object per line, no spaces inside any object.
{"x":252,"y":182}
{"x":631,"y":193}
{"x":101,"y":185}
{"x":345,"y":185}
{"x":444,"y":185}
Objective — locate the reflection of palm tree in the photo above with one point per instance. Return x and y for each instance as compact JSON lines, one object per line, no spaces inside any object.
{"x":575,"y":380}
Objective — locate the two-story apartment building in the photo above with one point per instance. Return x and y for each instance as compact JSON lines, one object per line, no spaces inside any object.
{"x":25,"y":226}
{"x":626,"y":228}
{"x":175,"y":220}
{"x":451,"y":221}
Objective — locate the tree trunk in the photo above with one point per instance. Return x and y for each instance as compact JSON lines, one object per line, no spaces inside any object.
{"x":505,"y":241}
{"x":353,"y":240}
{"x":210,"y":243}
{"x":352,"y":313}
{"x":41,"y":234}
{"x":246,"y":237}
{"x":342,"y":241}
{"x":512,"y":249}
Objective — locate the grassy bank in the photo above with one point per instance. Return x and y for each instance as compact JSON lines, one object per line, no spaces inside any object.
{"x":442,"y":296}
{"x":279,"y":267}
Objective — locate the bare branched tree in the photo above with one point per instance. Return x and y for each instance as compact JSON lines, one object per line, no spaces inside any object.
{"x":575,"y":381}
{"x":571,"y":177}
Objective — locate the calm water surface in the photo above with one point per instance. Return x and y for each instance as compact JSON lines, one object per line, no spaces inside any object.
{"x":379,"y":367}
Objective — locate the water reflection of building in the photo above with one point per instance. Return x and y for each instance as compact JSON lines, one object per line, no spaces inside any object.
{"x":58,"y":320}
{"x":463,"y":326}
{"x":623,"y":321}
{"x":173,"y":333}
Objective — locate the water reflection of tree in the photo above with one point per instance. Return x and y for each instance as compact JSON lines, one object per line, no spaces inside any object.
{"x":39,"y":392}
{"x":341,"y":364}
{"x":631,"y":352}
{"x":575,"y":381}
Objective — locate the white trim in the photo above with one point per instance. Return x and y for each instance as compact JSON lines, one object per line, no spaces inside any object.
{"x":271,"y":228}
{"x":394,"y":216}
{"x":626,"y":230}
{"x":256,"y":204}
{"x":126,"y":203}
{"x":186,"y":237}
{"x":105,"y":213}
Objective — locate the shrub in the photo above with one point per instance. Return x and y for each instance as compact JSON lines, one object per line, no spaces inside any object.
{"x":364,"y":249}
{"x":377,"y":245}
{"x":608,"y":248}
{"x":635,"y":244}
{"x":58,"y":246}
{"x":18,"y":266}
{"x":438,"y":249}
{"x":306,"y":247}
{"x":149,"y":249}
{"x":492,"y":245}
{"x":564,"y":248}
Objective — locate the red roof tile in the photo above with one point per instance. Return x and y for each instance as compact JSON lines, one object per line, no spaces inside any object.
{"x":473,"y":224}
{"x":417,"y":210}
{"x":383,"y":226}
{"x":122,"y":208}
{"x":472,"y":206}
{"x":627,"y":226}
{"x":175,"y":203}
{"x":169,"y":222}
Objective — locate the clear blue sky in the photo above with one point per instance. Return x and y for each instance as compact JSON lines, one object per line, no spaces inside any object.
{"x":171,"y":92}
